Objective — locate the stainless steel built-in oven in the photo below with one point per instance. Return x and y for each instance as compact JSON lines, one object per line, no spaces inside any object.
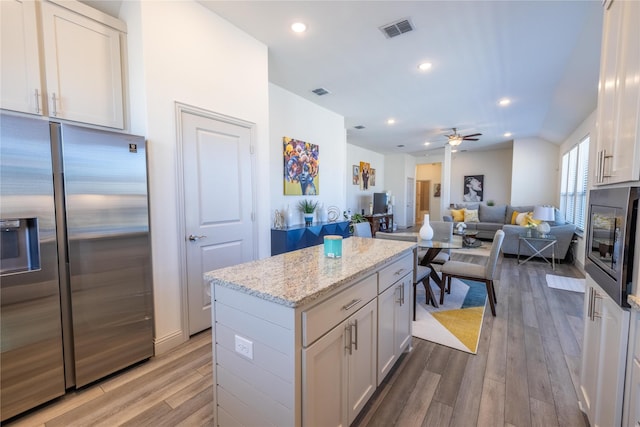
{"x":611,"y":239}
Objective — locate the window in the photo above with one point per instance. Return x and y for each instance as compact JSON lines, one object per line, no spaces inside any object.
{"x":573,"y":189}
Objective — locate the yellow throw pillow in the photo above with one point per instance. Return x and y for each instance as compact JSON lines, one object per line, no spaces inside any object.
{"x":514,"y":217}
{"x":458,"y":214}
{"x":471,"y":215}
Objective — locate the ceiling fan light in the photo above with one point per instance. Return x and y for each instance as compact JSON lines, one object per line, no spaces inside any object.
{"x":455,"y":141}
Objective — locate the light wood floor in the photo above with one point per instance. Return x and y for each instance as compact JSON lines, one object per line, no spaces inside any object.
{"x":525,"y":373}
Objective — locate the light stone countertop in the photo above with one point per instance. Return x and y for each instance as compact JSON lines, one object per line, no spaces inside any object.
{"x":296,"y":278}
{"x":634,"y":302}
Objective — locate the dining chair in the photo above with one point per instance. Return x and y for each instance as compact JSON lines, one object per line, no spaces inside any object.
{"x":442,"y":231}
{"x":477,"y":272}
{"x":362,"y":229}
{"x":421,"y":274}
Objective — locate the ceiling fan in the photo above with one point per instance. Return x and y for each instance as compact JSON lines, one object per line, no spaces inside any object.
{"x":456,"y":139}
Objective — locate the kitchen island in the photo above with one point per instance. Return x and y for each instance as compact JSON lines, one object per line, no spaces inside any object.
{"x":302,"y":339}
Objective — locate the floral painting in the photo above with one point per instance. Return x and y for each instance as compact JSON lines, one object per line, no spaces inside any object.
{"x":301,"y":167}
{"x":356,"y":175}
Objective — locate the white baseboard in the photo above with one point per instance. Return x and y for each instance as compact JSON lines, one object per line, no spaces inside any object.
{"x":164,"y":344}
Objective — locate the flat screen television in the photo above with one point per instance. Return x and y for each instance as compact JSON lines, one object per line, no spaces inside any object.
{"x":379,"y":203}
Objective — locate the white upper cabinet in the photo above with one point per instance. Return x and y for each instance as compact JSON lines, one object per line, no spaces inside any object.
{"x":19,"y":61}
{"x":80,"y":62}
{"x":618,"y":135}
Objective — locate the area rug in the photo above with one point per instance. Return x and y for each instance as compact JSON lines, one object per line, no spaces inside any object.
{"x":458,"y":322}
{"x":565,"y":283}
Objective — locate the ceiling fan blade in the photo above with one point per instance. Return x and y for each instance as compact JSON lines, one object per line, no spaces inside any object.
{"x":470,"y":139}
{"x":473,"y":134}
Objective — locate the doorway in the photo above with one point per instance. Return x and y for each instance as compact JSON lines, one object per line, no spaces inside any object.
{"x":423,"y":200}
{"x":218,"y":203}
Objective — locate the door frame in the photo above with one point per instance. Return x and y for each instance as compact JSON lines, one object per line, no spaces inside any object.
{"x":181,"y":108}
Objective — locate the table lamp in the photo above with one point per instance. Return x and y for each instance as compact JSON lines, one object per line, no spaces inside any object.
{"x":543,"y":214}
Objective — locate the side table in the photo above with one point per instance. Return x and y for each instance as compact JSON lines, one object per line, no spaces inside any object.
{"x":543,"y":242}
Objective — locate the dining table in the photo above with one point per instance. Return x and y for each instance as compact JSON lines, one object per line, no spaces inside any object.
{"x":433,"y":247}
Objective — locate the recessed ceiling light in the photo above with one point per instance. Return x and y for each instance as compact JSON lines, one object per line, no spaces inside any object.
{"x":427,"y":143}
{"x":454,"y":151}
{"x":425,"y":66}
{"x":298,"y":27}
{"x":507,"y":134}
{"x":391,"y":121}
{"x":504,"y":102}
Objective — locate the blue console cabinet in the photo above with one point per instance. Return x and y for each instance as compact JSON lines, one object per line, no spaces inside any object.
{"x":299,"y":236}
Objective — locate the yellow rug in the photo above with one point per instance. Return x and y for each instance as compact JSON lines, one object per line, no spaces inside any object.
{"x":458,"y":322}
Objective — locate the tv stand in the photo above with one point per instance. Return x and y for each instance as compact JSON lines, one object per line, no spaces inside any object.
{"x":380,"y":222}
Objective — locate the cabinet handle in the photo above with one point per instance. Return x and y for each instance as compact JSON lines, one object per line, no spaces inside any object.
{"x":590,"y":304}
{"x":347,"y":342}
{"x":356,"y":340}
{"x":598,"y":179}
{"x":37,"y":102}
{"x":53,"y":101}
{"x":595,"y":315}
{"x":402,"y":294}
{"x":351,"y":304}
{"x":399,"y":272}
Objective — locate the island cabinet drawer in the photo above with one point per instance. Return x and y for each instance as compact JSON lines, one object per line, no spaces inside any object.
{"x":321,"y":318}
{"x":394,"y":272}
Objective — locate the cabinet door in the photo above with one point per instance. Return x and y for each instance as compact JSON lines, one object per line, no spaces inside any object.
{"x":634,"y":395}
{"x":403,"y":315}
{"x":387,"y":353}
{"x":324,"y":379}
{"x":20,"y":67}
{"x":590,"y":354}
{"x":362,"y":358}
{"x":618,"y":145}
{"x":83,"y":68}
{"x":614,"y":334}
{"x":626,"y":162}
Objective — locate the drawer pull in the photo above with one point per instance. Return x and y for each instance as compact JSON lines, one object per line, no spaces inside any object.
{"x":351,"y":304}
{"x":399,"y":272}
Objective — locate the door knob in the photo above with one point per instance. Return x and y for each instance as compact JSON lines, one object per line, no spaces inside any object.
{"x":194,"y":238}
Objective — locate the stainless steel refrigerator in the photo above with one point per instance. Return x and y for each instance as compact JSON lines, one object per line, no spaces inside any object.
{"x":75,"y":264}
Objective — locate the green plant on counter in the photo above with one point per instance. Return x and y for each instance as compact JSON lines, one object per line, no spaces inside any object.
{"x":307,"y":206}
{"x":490,"y":203}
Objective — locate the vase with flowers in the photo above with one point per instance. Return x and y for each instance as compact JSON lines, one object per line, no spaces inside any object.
{"x":307,"y":207}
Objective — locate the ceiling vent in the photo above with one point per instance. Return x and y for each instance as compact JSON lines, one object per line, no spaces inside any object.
{"x":320,"y":91}
{"x":359,"y":127}
{"x":397,"y":28}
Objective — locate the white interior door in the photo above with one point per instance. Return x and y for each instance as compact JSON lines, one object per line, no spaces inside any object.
{"x":409,"y":213}
{"x":218,"y":204}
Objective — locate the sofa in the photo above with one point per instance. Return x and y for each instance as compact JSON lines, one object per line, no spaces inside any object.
{"x":486,"y":220}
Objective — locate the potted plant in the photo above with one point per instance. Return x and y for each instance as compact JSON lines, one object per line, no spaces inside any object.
{"x":307,"y":207}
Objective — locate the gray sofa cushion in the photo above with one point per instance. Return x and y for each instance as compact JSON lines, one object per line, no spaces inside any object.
{"x":470,"y":206}
{"x":495,"y":214}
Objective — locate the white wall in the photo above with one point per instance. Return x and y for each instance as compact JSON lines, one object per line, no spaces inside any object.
{"x":535,"y":179}
{"x":587,"y":127}
{"x":180,"y":51}
{"x":293,"y":116}
{"x":495,"y":165}
{"x":399,"y":168}
{"x":359,"y":199}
